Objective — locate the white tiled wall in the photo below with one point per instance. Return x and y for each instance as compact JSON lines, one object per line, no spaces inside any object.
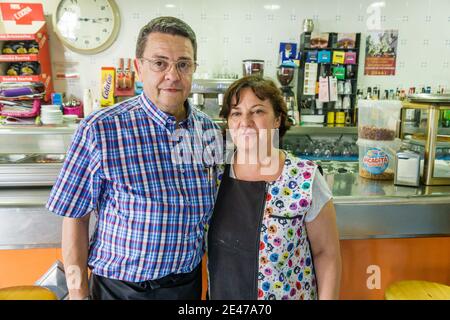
{"x":232,"y":30}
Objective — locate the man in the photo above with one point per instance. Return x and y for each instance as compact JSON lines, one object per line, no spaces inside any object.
{"x":151,"y":210}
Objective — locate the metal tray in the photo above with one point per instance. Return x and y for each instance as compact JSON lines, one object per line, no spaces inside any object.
{"x":49,"y":158}
{"x":430,"y":98}
{"x":12,"y":158}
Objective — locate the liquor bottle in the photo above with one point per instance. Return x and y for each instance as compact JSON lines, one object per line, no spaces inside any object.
{"x":376,"y":94}
{"x":359,"y":96}
{"x":391,"y":94}
{"x":87,"y":102}
{"x":369,"y":93}
{"x":348,"y":119}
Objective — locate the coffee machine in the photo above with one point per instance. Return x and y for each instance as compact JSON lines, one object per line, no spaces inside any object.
{"x":207,"y":95}
{"x":285,"y":75}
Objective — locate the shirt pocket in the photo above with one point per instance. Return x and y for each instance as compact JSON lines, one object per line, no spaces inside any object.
{"x":135,"y":204}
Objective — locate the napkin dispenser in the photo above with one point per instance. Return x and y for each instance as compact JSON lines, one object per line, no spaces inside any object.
{"x":407,"y":168}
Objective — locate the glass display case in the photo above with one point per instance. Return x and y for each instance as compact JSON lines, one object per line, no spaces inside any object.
{"x":424,"y":125}
{"x":32,"y":156}
{"x":322,"y":143}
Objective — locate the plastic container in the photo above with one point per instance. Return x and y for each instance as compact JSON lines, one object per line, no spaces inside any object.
{"x":77,"y":110}
{"x":378,"y":119}
{"x":377,"y":158}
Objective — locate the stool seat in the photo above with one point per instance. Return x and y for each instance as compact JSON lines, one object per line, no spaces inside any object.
{"x":27,"y":293}
{"x":417,"y":290}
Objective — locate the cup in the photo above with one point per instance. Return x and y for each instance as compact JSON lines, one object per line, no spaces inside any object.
{"x":348,"y":87}
{"x":308,"y":25}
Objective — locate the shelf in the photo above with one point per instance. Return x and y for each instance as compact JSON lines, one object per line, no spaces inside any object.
{"x":335,"y":64}
{"x":320,"y":129}
{"x":21,"y":79}
{"x":19,"y":57}
{"x":414,"y":130}
{"x":37,"y":130}
{"x":17,"y":37}
{"x":335,"y":49}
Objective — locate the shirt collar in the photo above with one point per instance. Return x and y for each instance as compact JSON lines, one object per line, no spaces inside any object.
{"x":163,"y":118}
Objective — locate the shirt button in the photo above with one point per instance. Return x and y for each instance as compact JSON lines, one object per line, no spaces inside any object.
{"x":188,"y":202}
{"x":182,"y":171}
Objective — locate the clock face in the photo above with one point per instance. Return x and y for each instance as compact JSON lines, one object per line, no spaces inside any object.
{"x":87,"y":26}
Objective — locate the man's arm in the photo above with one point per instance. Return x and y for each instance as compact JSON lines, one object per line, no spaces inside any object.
{"x":75,"y":248}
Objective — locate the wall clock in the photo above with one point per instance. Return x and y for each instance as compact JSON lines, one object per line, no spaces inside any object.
{"x":87,"y":26}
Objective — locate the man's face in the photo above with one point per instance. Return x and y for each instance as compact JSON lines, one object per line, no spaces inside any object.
{"x":170,"y":88}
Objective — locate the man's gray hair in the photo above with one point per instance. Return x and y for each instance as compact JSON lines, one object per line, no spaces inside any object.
{"x":169,"y":25}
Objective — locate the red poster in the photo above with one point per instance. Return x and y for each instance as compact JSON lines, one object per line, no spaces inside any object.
{"x":22,"y":13}
{"x":381,"y":53}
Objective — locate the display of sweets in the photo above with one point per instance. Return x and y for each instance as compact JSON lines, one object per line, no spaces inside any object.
{"x":23,"y":69}
{"x":20,"y":47}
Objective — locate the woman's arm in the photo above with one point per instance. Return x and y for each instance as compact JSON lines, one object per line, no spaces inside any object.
{"x":324,"y":239}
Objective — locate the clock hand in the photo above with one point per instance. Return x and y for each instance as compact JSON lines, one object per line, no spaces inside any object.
{"x":100,"y":19}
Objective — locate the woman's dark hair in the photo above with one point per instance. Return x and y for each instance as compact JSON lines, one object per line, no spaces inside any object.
{"x":264,"y":89}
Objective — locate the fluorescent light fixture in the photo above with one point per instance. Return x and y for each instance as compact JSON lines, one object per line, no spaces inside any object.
{"x":272,"y":6}
{"x":378,"y":4}
{"x":170,"y":5}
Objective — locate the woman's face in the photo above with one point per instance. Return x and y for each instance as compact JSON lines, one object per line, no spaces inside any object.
{"x":252,"y":121}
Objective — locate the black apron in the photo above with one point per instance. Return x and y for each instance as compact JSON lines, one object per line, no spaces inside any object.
{"x":183,"y":286}
{"x":233,"y":239}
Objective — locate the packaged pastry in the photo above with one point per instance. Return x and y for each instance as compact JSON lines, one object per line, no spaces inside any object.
{"x":29,"y":69}
{"x":33,"y":47}
{"x":19,"y":47}
{"x":7,"y":48}
{"x":13,"y":69}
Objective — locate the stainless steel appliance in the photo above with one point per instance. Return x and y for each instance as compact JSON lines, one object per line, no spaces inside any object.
{"x":253,"y":67}
{"x":207,"y":95}
{"x":285,"y":75}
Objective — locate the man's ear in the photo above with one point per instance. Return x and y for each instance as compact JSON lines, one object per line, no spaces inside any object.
{"x":137,"y":67}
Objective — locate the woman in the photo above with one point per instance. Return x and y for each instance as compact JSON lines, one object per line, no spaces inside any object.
{"x":273,"y":232}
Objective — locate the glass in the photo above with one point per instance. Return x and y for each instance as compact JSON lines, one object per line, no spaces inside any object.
{"x":186,"y":67}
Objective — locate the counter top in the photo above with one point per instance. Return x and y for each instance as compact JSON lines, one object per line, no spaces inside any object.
{"x":347,"y":188}
{"x":365,"y":209}
{"x":351,"y":188}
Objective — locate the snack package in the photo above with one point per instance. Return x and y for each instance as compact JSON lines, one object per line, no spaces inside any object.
{"x":7,"y":48}
{"x":338,"y":57}
{"x":108,"y":86}
{"x":29,"y":68}
{"x":19,"y":47}
{"x":33,"y":47}
{"x":13,"y":69}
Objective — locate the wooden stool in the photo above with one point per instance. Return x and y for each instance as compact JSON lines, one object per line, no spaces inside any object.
{"x":27,"y":293}
{"x":417,"y":290}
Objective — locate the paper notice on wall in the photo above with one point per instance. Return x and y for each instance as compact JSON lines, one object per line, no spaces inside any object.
{"x":66,"y":70}
{"x":381,"y":53}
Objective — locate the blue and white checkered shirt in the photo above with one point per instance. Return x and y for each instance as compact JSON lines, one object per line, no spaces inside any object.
{"x":151,"y":211}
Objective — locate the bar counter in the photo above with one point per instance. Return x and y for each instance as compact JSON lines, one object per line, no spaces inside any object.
{"x":365,"y":209}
